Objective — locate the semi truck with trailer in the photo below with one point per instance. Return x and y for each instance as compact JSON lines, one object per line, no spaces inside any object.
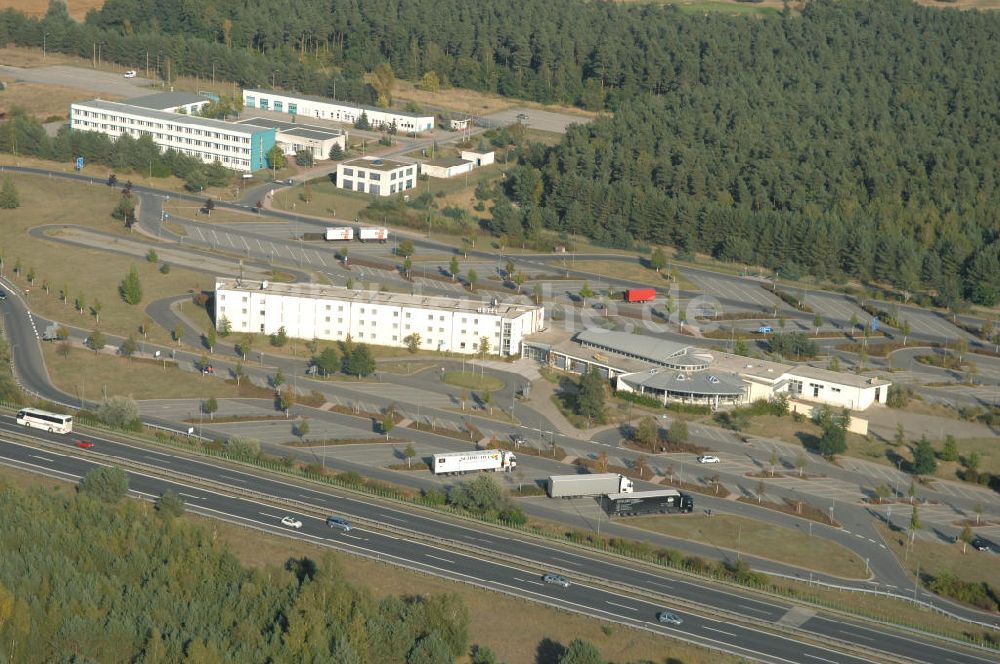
{"x":638,"y":503}
{"x":573,"y":486}
{"x":379,"y":234}
{"x":451,"y":463}
{"x":640,"y":295}
{"x":339,"y":233}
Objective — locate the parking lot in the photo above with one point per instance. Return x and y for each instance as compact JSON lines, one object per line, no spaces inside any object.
{"x":537,"y":119}
{"x":750,"y":294}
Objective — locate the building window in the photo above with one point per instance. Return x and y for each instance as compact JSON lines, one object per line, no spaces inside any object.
{"x":293,"y":108}
{"x":376,"y":176}
{"x":263,"y":104}
{"x":462,"y":345}
{"x":348,"y":184}
{"x":395,"y":314}
{"x":394,"y":338}
{"x":374,"y":189}
{"x":348,"y":171}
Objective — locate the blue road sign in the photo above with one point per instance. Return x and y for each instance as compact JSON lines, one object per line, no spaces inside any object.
{"x":874,"y":324}
{"x":79,"y":163}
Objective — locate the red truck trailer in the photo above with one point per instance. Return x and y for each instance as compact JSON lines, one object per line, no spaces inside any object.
{"x":640,"y":294}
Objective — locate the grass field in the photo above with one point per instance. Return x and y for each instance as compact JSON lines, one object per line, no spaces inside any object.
{"x":938,"y":557}
{"x":93,"y":273}
{"x":757,"y":538}
{"x":97,"y":373}
{"x":514,"y":638}
{"x":77,"y":8}
{"x":43,"y":101}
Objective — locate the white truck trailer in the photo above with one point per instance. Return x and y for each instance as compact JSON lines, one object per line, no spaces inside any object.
{"x":379,"y":234}
{"x":572,"y":486}
{"x":340,"y":233}
{"x":450,"y":463}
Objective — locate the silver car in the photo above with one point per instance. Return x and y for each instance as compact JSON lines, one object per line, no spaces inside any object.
{"x":556,"y":580}
{"x":669,"y":618}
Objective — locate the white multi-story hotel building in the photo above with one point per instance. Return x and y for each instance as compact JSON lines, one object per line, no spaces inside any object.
{"x":315,"y":311}
{"x":379,"y":177}
{"x":338,"y":111}
{"x":240,"y":147}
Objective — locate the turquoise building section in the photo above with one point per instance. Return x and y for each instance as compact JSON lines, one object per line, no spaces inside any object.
{"x":261,"y":143}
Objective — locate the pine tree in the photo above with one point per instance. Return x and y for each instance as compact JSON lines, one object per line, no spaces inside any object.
{"x":9,"y":197}
{"x":130,"y":287}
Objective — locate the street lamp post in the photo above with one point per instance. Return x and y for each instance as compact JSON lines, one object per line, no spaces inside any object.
{"x":44,"y":44}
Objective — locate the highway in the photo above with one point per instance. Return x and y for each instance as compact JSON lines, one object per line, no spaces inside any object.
{"x":526,"y":559}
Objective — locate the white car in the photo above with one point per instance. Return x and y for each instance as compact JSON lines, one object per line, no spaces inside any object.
{"x":130,"y":73}
{"x":709,"y":458}
{"x":291,"y":522}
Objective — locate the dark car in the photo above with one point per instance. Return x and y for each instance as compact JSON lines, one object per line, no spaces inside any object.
{"x":337,"y":522}
{"x":3,"y":296}
{"x":85,"y":444}
{"x":981,"y":544}
{"x":669,"y":618}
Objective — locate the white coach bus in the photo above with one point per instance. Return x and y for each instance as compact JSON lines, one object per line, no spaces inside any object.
{"x":42,"y":419}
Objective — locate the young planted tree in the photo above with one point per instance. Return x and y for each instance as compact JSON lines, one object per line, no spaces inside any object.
{"x":408,"y":453}
{"x":131,"y":287}
{"x":96,"y":341}
{"x":585,"y":292}
{"x":647,"y":433}
{"x":9,"y":197}
{"x":658,"y":260}
{"x":412,"y":342}
{"x":279,"y":338}
{"x":210,"y":407}
{"x":678,"y":432}
{"x":453,"y":268}
{"x":472,"y":278}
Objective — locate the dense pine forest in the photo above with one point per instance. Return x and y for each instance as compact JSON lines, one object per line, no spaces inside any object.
{"x":83,"y":580}
{"x":858,"y":139}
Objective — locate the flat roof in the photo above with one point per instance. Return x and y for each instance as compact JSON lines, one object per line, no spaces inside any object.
{"x":167,"y":116}
{"x":376,"y":164}
{"x":848,"y":379}
{"x":162,"y":100}
{"x":447,"y":162}
{"x":748,"y":366}
{"x":321,"y":291}
{"x":635,"y":345}
{"x":294,"y":128}
{"x":328,"y":100}
{"x":700,"y":382}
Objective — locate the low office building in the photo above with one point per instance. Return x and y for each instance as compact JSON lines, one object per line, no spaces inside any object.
{"x":448,"y":167}
{"x":315,"y":311}
{"x":241,"y":147}
{"x":330,"y":109}
{"x":671,"y":371}
{"x":378,"y":177}
{"x":294,"y":137}
{"x":478,"y":158}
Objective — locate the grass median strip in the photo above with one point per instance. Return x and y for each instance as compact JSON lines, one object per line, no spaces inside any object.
{"x":757,"y":538}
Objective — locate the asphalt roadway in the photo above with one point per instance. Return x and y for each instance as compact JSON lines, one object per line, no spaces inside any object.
{"x":519,"y":576}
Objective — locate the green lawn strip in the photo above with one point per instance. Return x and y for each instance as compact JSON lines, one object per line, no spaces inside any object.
{"x":472,"y":380}
{"x":95,"y":374}
{"x":758,"y":538}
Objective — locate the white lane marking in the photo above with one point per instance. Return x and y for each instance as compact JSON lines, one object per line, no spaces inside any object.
{"x":822,"y":659}
{"x":754,"y":609}
{"x":234,"y":479}
{"x":568,"y":562}
{"x":155,"y":458}
{"x":856,"y":635}
{"x":42,"y":458}
{"x":720,"y":631}
{"x":537,"y":583}
{"x":188,"y":495}
{"x":355,"y":537}
{"x":309,"y":497}
{"x":452,"y":562}
{"x":622,"y":606}
{"x":662,"y":585}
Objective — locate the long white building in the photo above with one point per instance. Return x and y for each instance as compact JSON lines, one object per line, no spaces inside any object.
{"x":241,"y":147}
{"x":315,"y":311}
{"x":309,"y":106}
